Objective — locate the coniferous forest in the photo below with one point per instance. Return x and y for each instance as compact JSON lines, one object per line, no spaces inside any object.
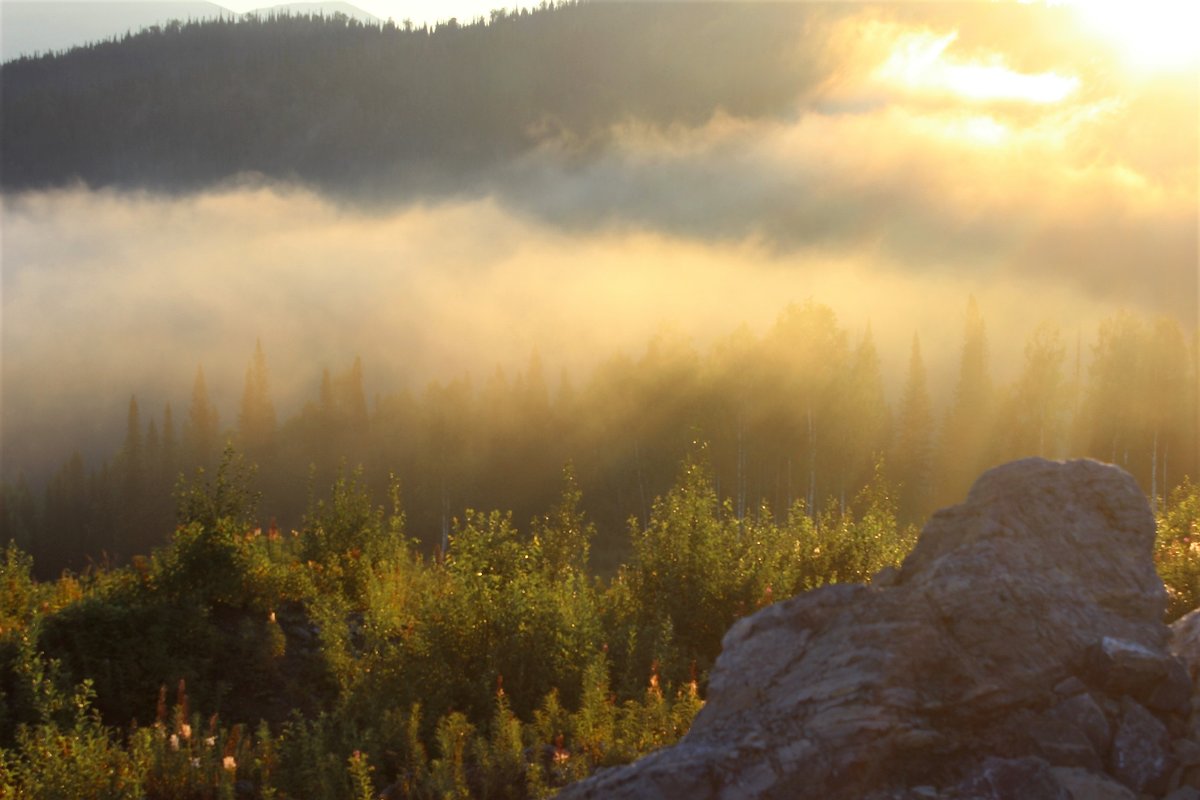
{"x":298,"y":96}
{"x":380,"y":569}
{"x":405,"y":628}
{"x":798,"y":415}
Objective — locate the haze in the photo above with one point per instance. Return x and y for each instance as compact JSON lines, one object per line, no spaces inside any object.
{"x":1048,"y":172}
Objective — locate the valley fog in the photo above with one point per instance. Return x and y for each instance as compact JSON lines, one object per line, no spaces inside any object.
{"x":108,"y":296}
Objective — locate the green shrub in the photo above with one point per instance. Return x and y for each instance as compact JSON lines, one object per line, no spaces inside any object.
{"x":502,"y":670}
{"x":1177,"y":548}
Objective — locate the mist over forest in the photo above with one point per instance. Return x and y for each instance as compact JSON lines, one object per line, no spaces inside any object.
{"x":414,"y":412}
{"x":599,"y":232}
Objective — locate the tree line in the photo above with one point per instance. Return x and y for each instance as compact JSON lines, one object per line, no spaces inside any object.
{"x":337,"y":661}
{"x":797,"y":414}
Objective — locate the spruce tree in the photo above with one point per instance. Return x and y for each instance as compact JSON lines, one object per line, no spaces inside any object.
{"x":256,"y":421}
{"x":911,"y":462}
{"x":966,"y":442}
{"x":202,"y":429}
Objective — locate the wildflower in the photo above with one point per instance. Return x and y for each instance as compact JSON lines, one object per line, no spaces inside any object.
{"x":561,"y":754}
{"x":210,"y":741}
{"x":195,"y":763}
{"x":174,"y":741}
{"x":185,"y":731}
{"x":160,"y":714}
{"x":229,"y":764}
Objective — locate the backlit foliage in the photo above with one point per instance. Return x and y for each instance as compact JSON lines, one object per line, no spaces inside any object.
{"x":337,"y":660}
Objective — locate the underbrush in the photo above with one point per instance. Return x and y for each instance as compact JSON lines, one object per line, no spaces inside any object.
{"x":337,"y":661}
{"x":1177,"y":548}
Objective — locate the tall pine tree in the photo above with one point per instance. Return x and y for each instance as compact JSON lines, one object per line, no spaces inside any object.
{"x":911,"y":463}
{"x":202,"y":432}
{"x":966,"y":442}
{"x":256,"y":421}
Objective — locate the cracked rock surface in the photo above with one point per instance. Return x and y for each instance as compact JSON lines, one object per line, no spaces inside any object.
{"x":1019,"y":652}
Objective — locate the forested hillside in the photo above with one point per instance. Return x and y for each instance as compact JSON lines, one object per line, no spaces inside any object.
{"x":390,"y":111}
{"x":335,"y":661}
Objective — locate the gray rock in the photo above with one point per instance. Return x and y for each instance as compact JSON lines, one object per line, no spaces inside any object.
{"x":1121,"y":667}
{"x":1173,"y":693}
{"x":1062,"y":744}
{"x":885,"y":577}
{"x":850,"y":690}
{"x":1012,"y":779}
{"x":1085,"y":714}
{"x":1186,"y":752}
{"x":1084,"y":785}
{"x":1185,"y":641}
{"x":1069,"y":687}
{"x":1141,"y":755}
{"x":1150,"y":675}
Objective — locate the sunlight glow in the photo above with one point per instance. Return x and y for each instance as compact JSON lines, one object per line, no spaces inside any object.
{"x":985,"y":130}
{"x":1152,"y":35}
{"x":919,"y":62}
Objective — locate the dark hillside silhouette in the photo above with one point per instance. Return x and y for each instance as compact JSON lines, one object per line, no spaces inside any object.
{"x":390,"y":109}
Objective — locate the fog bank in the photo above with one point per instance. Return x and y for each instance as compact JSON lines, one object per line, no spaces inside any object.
{"x":108,"y":295}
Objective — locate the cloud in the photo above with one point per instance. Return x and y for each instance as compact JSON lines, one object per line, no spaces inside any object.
{"x":889,"y":199}
{"x":944,"y":161}
{"x":107,"y":295}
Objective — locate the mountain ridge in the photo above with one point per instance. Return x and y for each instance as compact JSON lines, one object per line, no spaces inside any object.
{"x":333,"y":103}
{"x":32,"y":29}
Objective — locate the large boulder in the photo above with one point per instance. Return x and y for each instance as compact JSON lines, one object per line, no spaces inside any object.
{"x":1019,"y":651}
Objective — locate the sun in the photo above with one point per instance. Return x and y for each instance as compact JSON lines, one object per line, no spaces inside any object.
{"x":1150,"y":35}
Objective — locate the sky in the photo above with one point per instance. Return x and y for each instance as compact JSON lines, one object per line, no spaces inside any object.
{"x":428,"y":11}
{"x":419,"y":11}
{"x":1049,"y":172}
{"x":32,"y":26}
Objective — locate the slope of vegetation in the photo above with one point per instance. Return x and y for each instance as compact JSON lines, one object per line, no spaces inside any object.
{"x":335,"y":660}
{"x":394,"y":109}
{"x":363,"y":649}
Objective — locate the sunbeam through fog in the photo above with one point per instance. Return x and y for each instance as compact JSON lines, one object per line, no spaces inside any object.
{"x":921,"y":155}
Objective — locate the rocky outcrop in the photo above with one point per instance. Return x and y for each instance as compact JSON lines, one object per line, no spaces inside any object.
{"x":1018,"y":652}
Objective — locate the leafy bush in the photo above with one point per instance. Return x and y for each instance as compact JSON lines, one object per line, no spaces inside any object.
{"x":501,"y":669}
{"x":1177,"y":549}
